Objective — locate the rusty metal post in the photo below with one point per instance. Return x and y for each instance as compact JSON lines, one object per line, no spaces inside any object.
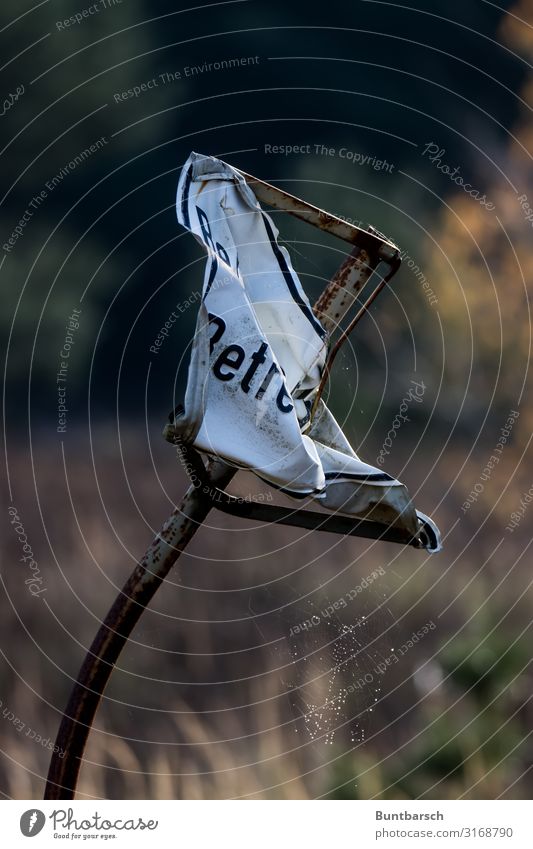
{"x":128,"y":607}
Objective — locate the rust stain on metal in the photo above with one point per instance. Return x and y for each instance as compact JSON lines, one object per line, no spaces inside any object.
{"x":343,"y":289}
{"x":375,"y":243}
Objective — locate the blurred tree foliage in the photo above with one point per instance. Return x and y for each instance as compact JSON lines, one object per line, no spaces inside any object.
{"x":470,"y":736}
{"x":66,"y":76}
{"x":482,"y":263}
{"x":476,"y":714}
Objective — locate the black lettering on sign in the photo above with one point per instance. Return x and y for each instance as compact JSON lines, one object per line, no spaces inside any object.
{"x":220,"y":325}
{"x":216,"y":247}
{"x":283,"y":408}
{"x":258,"y":358}
{"x":266,"y":382}
{"x":231,"y":359}
{"x":206,"y":228}
{"x":225,"y":359}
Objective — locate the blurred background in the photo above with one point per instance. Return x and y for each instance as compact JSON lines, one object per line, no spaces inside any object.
{"x":413,"y":679}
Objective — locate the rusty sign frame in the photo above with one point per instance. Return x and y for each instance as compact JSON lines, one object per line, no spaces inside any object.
{"x":370,"y":249}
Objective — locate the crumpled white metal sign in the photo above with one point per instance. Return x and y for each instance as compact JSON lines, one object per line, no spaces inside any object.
{"x":257,"y":358}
